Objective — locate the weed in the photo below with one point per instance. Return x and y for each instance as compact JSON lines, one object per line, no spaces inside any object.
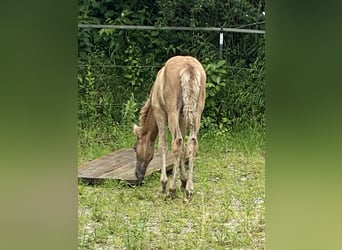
{"x":129,"y":111}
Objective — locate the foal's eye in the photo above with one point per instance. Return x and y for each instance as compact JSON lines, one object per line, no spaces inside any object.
{"x":135,"y":147}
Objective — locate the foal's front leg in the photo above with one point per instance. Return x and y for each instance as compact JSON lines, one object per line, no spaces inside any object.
{"x":162,"y":129}
{"x":163,"y":154}
{"x":177,"y":147}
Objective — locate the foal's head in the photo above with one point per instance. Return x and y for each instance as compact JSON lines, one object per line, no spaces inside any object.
{"x":144,"y":149}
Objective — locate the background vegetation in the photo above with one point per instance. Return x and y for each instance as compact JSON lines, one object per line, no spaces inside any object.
{"x":117,"y":69}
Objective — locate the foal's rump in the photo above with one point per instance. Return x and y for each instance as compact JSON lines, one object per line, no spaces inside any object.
{"x":190,"y":79}
{"x":180,"y":86}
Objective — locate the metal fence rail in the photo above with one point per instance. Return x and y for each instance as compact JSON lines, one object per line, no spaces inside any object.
{"x":140,"y":27}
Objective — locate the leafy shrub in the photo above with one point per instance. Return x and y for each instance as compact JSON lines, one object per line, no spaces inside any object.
{"x":118,"y":67}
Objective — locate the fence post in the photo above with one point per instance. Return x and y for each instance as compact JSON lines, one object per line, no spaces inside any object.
{"x":221,"y":43}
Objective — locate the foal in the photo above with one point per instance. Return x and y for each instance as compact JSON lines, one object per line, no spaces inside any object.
{"x":176,"y":100}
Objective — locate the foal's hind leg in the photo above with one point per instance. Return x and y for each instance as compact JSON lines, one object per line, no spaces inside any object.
{"x":183,"y":176}
{"x":192,"y":151}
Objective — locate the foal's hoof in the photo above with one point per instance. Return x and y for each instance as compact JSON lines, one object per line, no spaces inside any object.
{"x":169,"y":196}
{"x":189,"y":194}
{"x":163,"y":187}
{"x":172,"y":193}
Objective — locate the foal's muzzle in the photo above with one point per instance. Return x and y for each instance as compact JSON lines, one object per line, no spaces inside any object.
{"x":140,"y":174}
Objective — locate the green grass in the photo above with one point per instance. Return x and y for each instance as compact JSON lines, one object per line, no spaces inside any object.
{"x":227,"y":210}
{"x":96,"y":142}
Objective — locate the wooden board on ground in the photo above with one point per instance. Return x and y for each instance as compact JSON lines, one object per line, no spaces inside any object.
{"x":118,"y":165}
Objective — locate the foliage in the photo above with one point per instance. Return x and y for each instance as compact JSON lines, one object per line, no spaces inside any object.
{"x":129,"y":110}
{"x":235,"y":96}
{"x":117,"y":67}
{"x":216,"y":73}
{"x":95,"y":104}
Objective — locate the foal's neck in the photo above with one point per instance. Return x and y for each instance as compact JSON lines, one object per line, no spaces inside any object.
{"x":150,"y":125}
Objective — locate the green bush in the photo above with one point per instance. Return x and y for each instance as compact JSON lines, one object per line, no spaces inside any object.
{"x":235,"y":96}
{"x":118,"y":67}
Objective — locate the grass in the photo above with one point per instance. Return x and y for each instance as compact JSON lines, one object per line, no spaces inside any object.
{"x":227,"y":210}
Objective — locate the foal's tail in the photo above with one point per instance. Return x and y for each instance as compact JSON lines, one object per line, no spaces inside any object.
{"x":191,"y":83}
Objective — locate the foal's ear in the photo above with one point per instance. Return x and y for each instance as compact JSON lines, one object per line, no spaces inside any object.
{"x":136,"y":130}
